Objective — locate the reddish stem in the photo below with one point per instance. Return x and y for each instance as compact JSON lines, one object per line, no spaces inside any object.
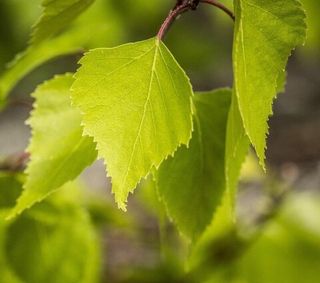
{"x":220,"y":6}
{"x":15,"y":163}
{"x":174,"y":13}
{"x":184,"y":6}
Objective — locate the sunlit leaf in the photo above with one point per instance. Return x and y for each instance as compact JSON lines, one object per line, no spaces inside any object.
{"x":266,"y":32}
{"x":136,"y":103}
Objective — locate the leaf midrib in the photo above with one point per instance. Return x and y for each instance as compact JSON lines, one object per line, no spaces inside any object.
{"x":156,"y":49}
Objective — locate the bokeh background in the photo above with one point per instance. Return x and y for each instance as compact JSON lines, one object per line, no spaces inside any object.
{"x":285,"y":202}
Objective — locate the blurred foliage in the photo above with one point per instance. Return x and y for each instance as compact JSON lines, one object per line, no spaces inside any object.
{"x":53,"y":242}
{"x":288,"y":249}
{"x":57,"y":241}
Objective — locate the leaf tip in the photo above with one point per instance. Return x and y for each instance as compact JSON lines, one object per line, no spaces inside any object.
{"x":122,"y":205}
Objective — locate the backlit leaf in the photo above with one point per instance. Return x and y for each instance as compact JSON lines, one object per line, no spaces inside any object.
{"x":266,"y":32}
{"x":136,"y":103}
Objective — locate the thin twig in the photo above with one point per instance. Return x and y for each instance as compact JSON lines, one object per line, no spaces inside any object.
{"x":179,"y":9}
{"x":183,"y":6}
{"x":15,"y":163}
{"x":20,"y":102}
{"x":220,"y":6}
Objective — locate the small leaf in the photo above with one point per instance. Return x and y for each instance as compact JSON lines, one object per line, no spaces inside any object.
{"x":56,"y":15}
{"x":59,"y":152}
{"x":266,"y":32}
{"x":136,"y":103}
{"x":192,"y":183}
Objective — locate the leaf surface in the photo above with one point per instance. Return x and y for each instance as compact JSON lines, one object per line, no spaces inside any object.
{"x":56,"y":15}
{"x":59,"y":152}
{"x":266,"y":32}
{"x":192,"y":183}
{"x":136,"y":103}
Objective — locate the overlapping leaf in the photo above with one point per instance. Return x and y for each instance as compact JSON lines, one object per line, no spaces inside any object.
{"x":136,"y":103}
{"x":191,"y":183}
{"x":222,"y":225}
{"x":56,"y":15}
{"x":237,"y":147}
{"x":59,"y":151}
{"x":266,"y":32}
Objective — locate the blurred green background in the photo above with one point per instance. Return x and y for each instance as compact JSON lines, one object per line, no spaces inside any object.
{"x":79,"y":236}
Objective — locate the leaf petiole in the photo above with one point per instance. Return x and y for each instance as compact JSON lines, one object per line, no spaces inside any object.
{"x":180,"y":8}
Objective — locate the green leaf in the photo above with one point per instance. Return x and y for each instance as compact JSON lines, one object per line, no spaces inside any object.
{"x":56,"y":15}
{"x":59,"y":152}
{"x":266,"y":32}
{"x":238,"y":144}
{"x":53,"y":242}
{"x":75,"y":40}
{"x":136,"y":103}
{"x":222,"y":227}
{"x":237,"y":147}
{"x":192,"y":183}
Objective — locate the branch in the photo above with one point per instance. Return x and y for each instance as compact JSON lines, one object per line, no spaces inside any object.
{"x":219,"y":6}
{"x":20,"y":102}
{"x":180,"y":8}
{"x":183,"y":6}
{"x":14,"y":163}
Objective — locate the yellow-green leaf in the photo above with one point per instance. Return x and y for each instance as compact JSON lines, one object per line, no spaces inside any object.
{"x":266,"y":32}
{"x":136,"y":102}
